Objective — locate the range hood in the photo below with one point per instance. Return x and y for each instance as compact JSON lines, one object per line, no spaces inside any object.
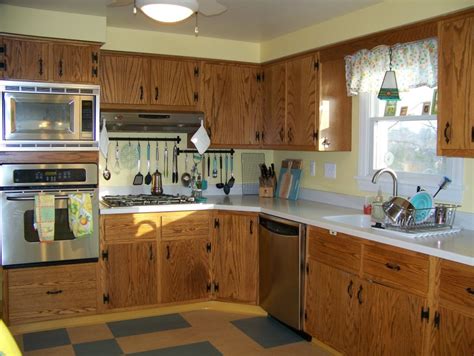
{"x":152,"y":122}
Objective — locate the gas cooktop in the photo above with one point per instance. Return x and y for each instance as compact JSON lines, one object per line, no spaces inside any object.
{"x":114,"y":201}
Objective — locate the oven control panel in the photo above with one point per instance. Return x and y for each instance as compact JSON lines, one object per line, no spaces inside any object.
{"x":49,"y":175}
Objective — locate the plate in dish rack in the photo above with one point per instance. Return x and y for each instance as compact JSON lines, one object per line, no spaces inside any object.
{"x":423,"y":203}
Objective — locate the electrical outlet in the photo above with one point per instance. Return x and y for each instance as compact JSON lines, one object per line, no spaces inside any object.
{"x":312,"y":168}
{"x":330,"y":170}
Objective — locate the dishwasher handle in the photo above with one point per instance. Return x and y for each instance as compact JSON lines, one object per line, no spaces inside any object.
{"x":279,"y":228}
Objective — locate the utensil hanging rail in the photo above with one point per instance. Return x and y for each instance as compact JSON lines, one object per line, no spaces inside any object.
{"x":151,"y":139}
{"x":230,"y":151}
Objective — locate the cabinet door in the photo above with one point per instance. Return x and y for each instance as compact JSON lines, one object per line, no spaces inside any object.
{"x":331,"y":306}
{"x":455,"y":83}
{"x":235,"y":257}
{"x":174,"y":82}
{"x":335,"y":116}
{"x":124,"y":79}
{"x":302,"y":94}
{"x":25,"y":59}
{"x":75,"y":63}
{"x":131,"y":274}
{"x":274,"y":114}
{"x":455,"y":334}
{"x":184,"y":270}
{"x":390,"y":322}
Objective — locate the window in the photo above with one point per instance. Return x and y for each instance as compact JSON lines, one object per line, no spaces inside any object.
{"x":406,"y":143}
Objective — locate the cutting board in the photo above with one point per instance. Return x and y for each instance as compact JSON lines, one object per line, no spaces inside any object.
{"x":289,"y":180}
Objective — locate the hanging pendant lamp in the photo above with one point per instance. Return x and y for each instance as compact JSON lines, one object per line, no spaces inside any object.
{"x":168,"y":10}
{"x":389,"y":88}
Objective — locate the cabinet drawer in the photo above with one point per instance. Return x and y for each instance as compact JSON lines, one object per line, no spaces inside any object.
{"x":36,"y":294}
{"x":340,"y":250}
{"x":395,"y":267}
{"x":130,"y":226}
{"x":185,"y":224}
{"x":457,"y":284}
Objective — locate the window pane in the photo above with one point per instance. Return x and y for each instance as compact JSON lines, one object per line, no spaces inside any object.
{"x":407,"y":146}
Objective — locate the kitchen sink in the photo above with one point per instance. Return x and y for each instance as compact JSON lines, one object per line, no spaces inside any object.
{"x":356,"y":220}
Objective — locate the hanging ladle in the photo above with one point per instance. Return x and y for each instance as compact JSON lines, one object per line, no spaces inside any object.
{"x":106,"y":174}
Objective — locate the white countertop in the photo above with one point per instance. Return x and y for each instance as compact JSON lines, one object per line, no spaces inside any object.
{"x":458,"y":247}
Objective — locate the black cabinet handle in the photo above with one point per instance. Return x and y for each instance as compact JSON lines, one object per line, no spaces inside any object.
{"x":60,"y":68}
{"x":141,"y":92}
{"x":257,"y":136}
{"x":151,"y":252}
{"x":437,"y":318}
{"x":157,"y":93}
{"x":94,"y":72}
{"x":470,"y":290}
{"x":52,"y":292}
{"x":40,"y":63}
{"x":263,"y":136}
{"x":350,"y":289}
{"x":251,"y":227}
{"x":472,"y":134}
{"x":282,"y":134}
{"x":446,"y":134}
{"x":393,"y":266}
{"x":168,"y":254}
{"x":359,"y":295}
{"x":209,"y":132}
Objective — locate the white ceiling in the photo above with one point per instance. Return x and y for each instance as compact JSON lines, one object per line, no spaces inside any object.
{"x":245,"y":20}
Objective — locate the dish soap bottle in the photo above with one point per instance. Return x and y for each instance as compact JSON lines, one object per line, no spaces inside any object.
{"x":378,"y":214}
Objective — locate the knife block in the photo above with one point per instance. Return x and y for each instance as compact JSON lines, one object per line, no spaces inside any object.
{"x":266,"y":192}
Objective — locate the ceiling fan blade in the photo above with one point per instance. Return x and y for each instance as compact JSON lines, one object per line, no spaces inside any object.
{"x":211,"y":7}
{"x":119,"y":3}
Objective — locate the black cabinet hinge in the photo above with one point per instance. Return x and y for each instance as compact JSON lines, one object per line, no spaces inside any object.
{"x":105,"y":255}
{"x":3,"y":65}
{"x":208,"y":247}
{"x":196,"y":96}
{"x":196,"y":71}
{"x":216,"y":223}
{"x":106,"y":298}
{"x":437,"y":318}
{"x":259,"y":77}
{"x":425,"y":313}
{"x":3,"y":49}
{"x":315,"y":135}
{"x":316,"y":65}
{"x":216,"y":287}
{"x":307,"y":268}
{"x":95,"y":57}
{"x":305,"y":315}
{"x":95,"y":72}
{"x":208,"y":287}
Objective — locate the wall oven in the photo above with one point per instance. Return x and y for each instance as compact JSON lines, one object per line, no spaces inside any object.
{"x":49,"y":115}
{"x":20,"y":245}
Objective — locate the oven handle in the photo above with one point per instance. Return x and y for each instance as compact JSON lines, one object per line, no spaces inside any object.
{"x":32,"y":198}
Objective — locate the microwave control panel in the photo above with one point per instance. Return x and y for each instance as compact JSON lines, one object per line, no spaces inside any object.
{"x":49,"y":175}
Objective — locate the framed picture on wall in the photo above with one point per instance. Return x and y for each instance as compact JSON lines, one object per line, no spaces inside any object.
{"x":434,"y":103}
{"x":403,"y":111}
{"x":426,"y":108}
{"x":390,"y":108}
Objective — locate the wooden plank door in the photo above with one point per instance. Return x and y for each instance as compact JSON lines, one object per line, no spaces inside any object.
{"x":454,"y":334}
{"x":455,"y":78}
{"x":75,"y":63}
{"x":131,"y":274}
{"x":331,"y":310}
{"x":335,"y":115}
{"x":390,"y":321}
{"x":25,"y":59}
{"x":185,"y":267}
{"x":274,"y":112}
{"x":235,"y":257}
{"x":174,"y":82}
{"x":124,"y":79}
{"x":302,"y":88}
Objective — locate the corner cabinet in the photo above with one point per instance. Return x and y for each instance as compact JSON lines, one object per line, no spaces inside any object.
{"x":235,"y":256}
{"x":456,"y":87}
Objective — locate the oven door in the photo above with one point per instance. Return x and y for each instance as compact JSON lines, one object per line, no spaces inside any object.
{"x":44,"y":117}
{"x":20,"y":241}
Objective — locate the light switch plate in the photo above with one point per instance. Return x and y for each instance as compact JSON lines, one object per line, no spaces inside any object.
{"x":330,"y":170}
{"x":312,"y":168}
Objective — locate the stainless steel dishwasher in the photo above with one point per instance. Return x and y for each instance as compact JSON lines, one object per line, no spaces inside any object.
{"x":281,"y":256}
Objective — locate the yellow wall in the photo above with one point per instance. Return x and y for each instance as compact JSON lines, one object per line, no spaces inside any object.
{"x":387,"y":14}
{"x":45,"y":23}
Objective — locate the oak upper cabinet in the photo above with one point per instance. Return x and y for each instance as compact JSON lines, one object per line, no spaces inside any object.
{"x":456,"y":87}
{"x":231,"y":101}
{"x":274,"y":109}
{"x":174,"y":82}
{"x":335,"y":107}
{"x":453,"y":321}
{"x":24,"y":59}
{"x":302,"y":89}
{"x":124,"y":78}
{"x":235,"y":256}
{"x":75,"y":63}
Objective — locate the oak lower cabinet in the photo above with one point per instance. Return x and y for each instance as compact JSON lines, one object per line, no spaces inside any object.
{"x":235,"y":257}
{"x":130,"y":274}
{"x":44,"y":293}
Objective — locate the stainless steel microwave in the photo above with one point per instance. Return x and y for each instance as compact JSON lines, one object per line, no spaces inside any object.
{"x":49,"y":115}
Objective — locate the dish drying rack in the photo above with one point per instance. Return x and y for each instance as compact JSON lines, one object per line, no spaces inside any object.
{"x":438,"y":218}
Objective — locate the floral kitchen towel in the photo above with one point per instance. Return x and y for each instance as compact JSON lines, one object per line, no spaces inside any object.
{"x":80,"y":214}
{"x":44,"y":216}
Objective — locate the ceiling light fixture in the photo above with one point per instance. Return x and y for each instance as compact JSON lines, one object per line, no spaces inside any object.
{"x":168,"y":10}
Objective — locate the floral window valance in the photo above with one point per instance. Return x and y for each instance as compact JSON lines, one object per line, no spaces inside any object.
{"x":415,"y":64}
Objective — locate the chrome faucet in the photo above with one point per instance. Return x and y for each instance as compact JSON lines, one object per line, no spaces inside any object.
{"x":392,"y":174}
